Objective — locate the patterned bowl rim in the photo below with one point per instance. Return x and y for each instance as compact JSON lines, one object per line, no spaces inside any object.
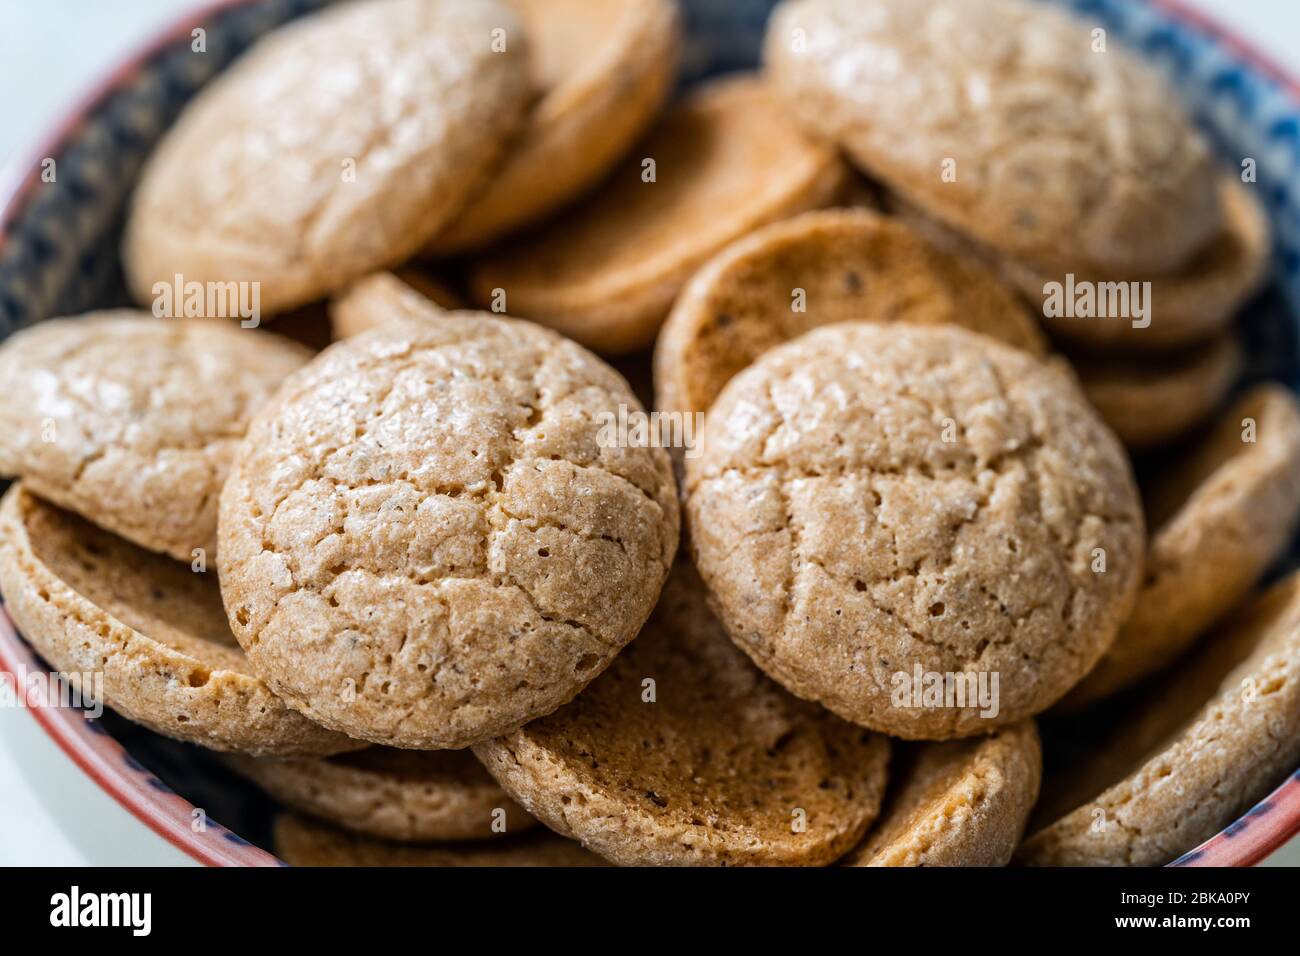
{"x":1248,"y":840}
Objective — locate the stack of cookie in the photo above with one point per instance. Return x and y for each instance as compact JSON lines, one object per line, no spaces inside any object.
{"x":427,"y":587}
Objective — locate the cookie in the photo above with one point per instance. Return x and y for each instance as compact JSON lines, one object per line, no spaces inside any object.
{"x":131,"y":421}
{"x":403,"y":795}
{"x":1219,"y":732}
{"x":1191,"y":305}
{"x":1151,"y":400}
{"x":604,"y":69}
{"x":383,"y":296}
{"x":1001,"y":119}
{"x":338,"y":145}
{"x":301,"y":842}
{"x":1221,"y":515}
{"x":880,"y":511}
{"x":957,"y":803}
{"x":152,"y":629}
{"x":724,"y":161}
{"x":816,"y":269}
{"x":425,"y":540}
{"x":682,"y":753}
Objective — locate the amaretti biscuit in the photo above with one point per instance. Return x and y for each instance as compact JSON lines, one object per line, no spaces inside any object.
{"x":1152,"y":399}
{"x":338,"y":145}
{"x":425,"y":541}
{"x":683,"y":753}
{"x":131,"y":421}
{"x":403,"y":795}
{"x":385,"y":296}
{"x":1221,"y":514}
{"x":816,"y":269}
{"x":1003,"y":119}
{"x":957,"y":802}
{"x":720,"y":163}
{"x":151,"y":630}
{"x":882,"y":510}
{"x":302,"y":842}
{"x":603,"y":69}
{"x":1192,"y":755}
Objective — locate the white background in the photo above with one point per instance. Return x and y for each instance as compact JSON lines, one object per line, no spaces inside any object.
{"x":51,"y":52}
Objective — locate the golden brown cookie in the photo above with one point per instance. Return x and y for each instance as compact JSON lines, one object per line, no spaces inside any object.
{"x":1000,"y":118}
{"x":383,"y":296}
{"x":425,"y":541}
{"x":91,"y":603}
{"x":880,"y":511}
{"x":302,"y":842}
{"x":1213,"y":738}
{"x":603,"y":69}
{"x":392,"y":794}
{"x":338,"y":145}
{"x":816,"y":269}
{"x":1220,"y":516}
{"x":682,"y":753}
{"x":725,"y":161}
{"x":1191,"y":305}
{"x":1150,"y":400}
{"x":957,"y":803}
{"x":131,"y":421}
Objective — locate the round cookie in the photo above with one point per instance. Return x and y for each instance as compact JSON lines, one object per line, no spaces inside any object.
{"x":957,"y":803}
{"x":999,"y":118}
{"x":1221,"y":515}
{"x":338,"y":145}
{"x":131,"y":421}
{"x":727,"y":159}
{"x":683,"y":753}
{"x":1191,"y":305}
{"x":425,"y":541}
{"x":836,"y":265}
{"x":1220,"y":731}
{"x":400,"y":795}
{"x":90,"y":603}
{"x":875,"y":505}
{"x":604,"y":69}
{"x":301,"y":842}
{"x":1152,"y":400}
{"x":383,"y":296}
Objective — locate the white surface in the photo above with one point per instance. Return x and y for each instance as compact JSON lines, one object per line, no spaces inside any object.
{"x":51,"y":52}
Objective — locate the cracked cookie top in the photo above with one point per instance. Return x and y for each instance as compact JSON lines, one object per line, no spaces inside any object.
{"x":131,"y":421}
{"x":337,"y":145}
{"x":427,"y":539}
{"x":878,"y":505}
{"x":1008,"y":120}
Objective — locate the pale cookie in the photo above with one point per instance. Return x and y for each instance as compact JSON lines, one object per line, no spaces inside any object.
{"x":683,"y":754}
{"x":1218,"y":734}
{"x":153,"y":629}
{"x":338,"y":145}
{"x":1193,"y":304}
{"x":301,"y":842}
{"x":131,"y":421}
{"x":392,"y":794}
{"x":1153,"y":399}
{"x":1000,"y":118}
{"x":876,"y":505}
{"x":1221,"y":515}
{"x":424,"y":541}
{"x":604,"y":69}
{"x":383,"y":296}
{"x":823,"y":267}
{"x":726,"y":160}
{"x":957,"y":803}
